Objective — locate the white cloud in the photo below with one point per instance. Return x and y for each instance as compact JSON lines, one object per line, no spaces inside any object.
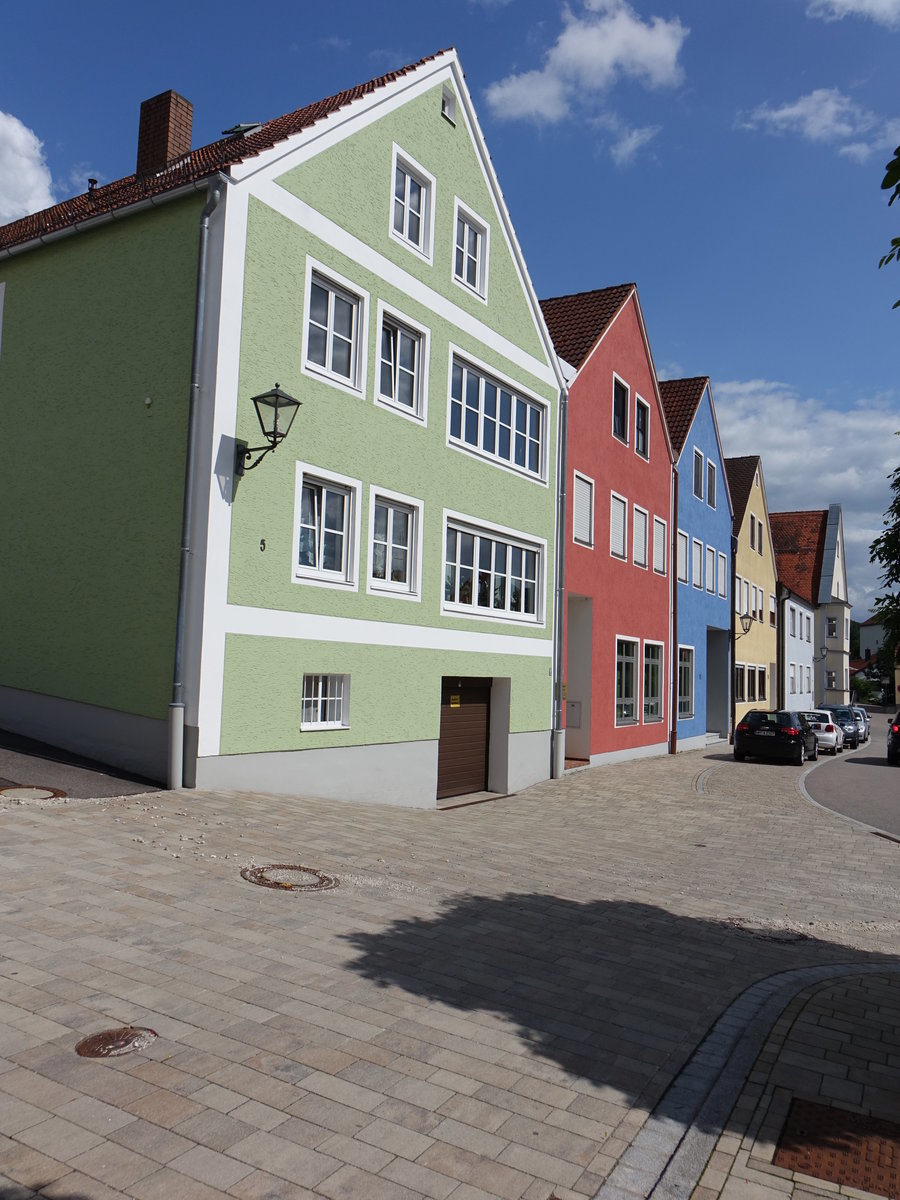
{"x":826,"y":115}
{"x":833,"y":455}
{"x":630,"y":142}
{"x":883,"y":12}
{"x":603,"y":44}
{"x":25,"y":183}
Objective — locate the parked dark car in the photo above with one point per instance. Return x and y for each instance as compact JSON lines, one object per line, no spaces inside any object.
{"x":893,"y":745}
{"x":843,"y":714}
{"x":780,"y":734}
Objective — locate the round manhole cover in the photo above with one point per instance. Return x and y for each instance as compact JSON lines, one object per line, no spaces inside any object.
{"x":31,"y":793}
{"x":113,"y":1042}
{"x":290,"y":877}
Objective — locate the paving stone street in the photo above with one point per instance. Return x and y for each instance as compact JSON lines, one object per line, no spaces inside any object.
{"x":606,"y":985}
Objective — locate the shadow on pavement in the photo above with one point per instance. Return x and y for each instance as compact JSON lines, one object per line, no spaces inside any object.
{"x":26,"y":762}
{"x":616,"y":992}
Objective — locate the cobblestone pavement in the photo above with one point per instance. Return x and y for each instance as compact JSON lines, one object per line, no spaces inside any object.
{"x":492,"y":1003}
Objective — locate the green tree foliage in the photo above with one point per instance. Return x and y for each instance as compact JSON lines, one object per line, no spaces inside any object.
{"x":891,"y":182}
{"x":885,"y":551}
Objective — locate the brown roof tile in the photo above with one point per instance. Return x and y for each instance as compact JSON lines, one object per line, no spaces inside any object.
{"x":197,"y":165}
{"x":740,"y":473}
{"x":799,"y":540}
{"x":577,"y":322}
{"x":680,"y":398}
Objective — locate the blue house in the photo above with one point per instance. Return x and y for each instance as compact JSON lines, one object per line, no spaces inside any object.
{"x":702,"y":584}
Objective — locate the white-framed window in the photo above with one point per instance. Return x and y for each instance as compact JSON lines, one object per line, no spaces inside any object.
{"x":685,"y":682}
{"x":493,"y":419}
{"x":808,"y":679}
{"x":335,"y":329}
{"x":448,"y":104}
{"x":395,"y":544}
{"x":755,"y":596}
{"x":846,"y":628}
{"x":696,"y":563}
{"x":620,"y":410}
{"x":808,"y":629}
{"x":470,"y":251}
{"x":639,"y":537}
{"x":618,"y":526}
{"x":682,"y":557}
{"x":710,"y":483}
{"x":402,"y":380}
{"x":412,"y":204}
{"x":760,"y":600}
{"x":792,"y":675}
{"x":583,"y":509}
{"x":710,"y":569}
{"x":723,"y":576}
{"x":831,"y":627}
{"x":759,"y":537}
{"x":751,"y":683}
{"x":829,"y":679}
{"x":752,"y":531}
{"x":792,"y":617}
{"x":491,"y":572}
{"x":641,"y":427}
{"x":761,"y":683}
{"x":773,"y":611}
{"x":626,"y":681}
{"x":326,"y":702}
{"x":660,"y":535}
{"x":698,"y":474}
{"x":738,"y":592}
{"x":653,"y":676}
{"x":747,"y":608}
{"x":326,"y":515}
{"x":739,"y":676}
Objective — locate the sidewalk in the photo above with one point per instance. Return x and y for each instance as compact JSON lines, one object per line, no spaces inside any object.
{"x":546,"y":995}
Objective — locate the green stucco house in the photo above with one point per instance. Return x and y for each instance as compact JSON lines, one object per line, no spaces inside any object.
{"x":368,"y":612}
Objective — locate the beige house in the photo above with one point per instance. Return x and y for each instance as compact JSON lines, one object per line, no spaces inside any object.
{"x":755,"y":637}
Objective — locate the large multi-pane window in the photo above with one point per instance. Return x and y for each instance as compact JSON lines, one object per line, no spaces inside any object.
{"x":332,"y":331}
{"x":470,"y":259}
{"x":626,"y":681}
{"x":494,"y":420}
{"x":652,"y":681}
{"x":685,"y":681}
{"x":400,"y":375}
{"x":325,"y":703}
{"x":493,"y":574}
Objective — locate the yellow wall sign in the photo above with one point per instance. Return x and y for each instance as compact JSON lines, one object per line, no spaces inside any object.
{"x":455,"y":701}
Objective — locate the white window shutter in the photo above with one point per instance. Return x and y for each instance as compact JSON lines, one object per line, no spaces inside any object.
{"x":583,"y":511}
{"x":617,"y":509}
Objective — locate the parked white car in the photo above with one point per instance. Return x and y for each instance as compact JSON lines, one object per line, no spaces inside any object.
{"x":862,"y":723}
{"x":828,"y":733}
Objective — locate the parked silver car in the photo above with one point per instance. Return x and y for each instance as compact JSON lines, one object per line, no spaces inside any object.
{"x":829,"y":734}
{"x":862,"y":723}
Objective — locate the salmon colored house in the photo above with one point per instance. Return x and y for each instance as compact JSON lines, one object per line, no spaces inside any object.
{"x":619,"y":472}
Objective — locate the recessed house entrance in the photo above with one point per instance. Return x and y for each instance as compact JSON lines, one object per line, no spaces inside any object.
{"x":464,"y":736}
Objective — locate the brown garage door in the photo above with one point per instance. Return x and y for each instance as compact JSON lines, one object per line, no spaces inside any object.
{"x":463,"y":745}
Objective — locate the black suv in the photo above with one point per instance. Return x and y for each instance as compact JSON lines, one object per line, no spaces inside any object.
{"x":843,"y":714}
{"x":894,"y":740}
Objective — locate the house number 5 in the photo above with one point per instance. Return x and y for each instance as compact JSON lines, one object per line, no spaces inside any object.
{"x":262,"y":543}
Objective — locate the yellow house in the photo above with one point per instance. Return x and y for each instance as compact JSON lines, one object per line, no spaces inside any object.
{"x":755,"y":637}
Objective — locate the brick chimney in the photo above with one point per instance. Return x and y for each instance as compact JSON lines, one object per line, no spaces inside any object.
{"x":165,"y":132}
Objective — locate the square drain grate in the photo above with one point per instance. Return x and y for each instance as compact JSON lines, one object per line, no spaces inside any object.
{"x":842,"y":1147}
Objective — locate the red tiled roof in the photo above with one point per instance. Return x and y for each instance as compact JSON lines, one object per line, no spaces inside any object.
{"x":799,"y":540}
{"x":577,"y":322}
{"x":680,"y":398}
{"x":740,"y":473}
{"x":197,"y":165}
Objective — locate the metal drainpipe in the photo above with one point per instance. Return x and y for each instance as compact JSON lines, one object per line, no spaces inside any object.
{"x":558,"y":751}
{"x":782,"y":593}
{"x":176,"y":708}
{"x":673,"y":636}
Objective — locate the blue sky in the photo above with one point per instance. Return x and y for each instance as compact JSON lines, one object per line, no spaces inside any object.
{"x":724,"y":154}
